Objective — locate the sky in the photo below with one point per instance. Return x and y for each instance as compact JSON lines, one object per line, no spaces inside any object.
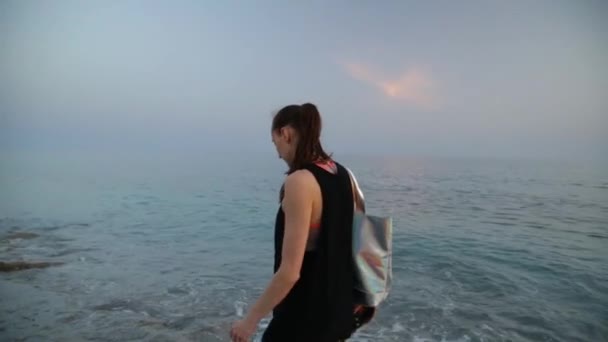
{"x":513,"y":79}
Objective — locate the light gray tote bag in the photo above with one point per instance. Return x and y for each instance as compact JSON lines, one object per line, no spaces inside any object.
{"x":372,"y":252}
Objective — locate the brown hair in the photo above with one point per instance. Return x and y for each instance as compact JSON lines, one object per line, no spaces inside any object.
{"x":306,"y":120}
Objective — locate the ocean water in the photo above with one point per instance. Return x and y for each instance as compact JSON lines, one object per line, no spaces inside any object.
{"x":175,"y":250}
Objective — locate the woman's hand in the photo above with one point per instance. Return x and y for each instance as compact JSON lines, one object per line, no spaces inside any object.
{"x":243,"y":330}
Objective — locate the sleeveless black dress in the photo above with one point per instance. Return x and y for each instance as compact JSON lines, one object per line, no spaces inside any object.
{"x":319,"y":307}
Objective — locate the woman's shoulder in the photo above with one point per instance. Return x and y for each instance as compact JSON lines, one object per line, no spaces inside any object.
{"x":299,"y":178}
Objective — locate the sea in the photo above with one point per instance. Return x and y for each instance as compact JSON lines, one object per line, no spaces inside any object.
{"x":176,"y":248}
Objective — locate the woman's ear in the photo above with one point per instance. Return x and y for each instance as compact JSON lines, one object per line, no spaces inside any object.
{"x":286,"y":134}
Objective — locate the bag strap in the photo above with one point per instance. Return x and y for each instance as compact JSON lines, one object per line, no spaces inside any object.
{"x":359,"y":200}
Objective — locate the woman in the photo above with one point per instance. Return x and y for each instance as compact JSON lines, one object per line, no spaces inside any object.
{"x":310,"y":294}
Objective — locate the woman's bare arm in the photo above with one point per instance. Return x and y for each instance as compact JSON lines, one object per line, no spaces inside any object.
{"x":297,"y":205}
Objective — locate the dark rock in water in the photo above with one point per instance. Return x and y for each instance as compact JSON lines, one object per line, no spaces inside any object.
{"x":50,"y":228}
{"x":69,"y":251}
{"x":177,"y":291}
{"x":20,"y":235}
{"x":117,"y":304}
{"x":161,"y":338}
{"x":212,"y":331}
{"x":180,"y":323}
{"x":152,"y":322}
{"x":129,"y":305}
{"x":24,"y":265}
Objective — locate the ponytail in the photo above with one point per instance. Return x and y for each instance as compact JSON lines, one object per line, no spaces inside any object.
{"x":306,"y":120}
{"x":311,"y":130}
{"x":312,"y":120}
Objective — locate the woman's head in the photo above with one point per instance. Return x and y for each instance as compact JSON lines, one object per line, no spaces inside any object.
{"x":296,"y":133}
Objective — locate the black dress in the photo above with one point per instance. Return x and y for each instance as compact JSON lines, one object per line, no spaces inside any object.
{"x":319,"y":307}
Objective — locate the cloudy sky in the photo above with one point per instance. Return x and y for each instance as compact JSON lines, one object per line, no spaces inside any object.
{"x":446,"y":78}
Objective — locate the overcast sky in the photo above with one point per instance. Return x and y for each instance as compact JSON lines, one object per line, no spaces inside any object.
{"x":448,"y":78}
